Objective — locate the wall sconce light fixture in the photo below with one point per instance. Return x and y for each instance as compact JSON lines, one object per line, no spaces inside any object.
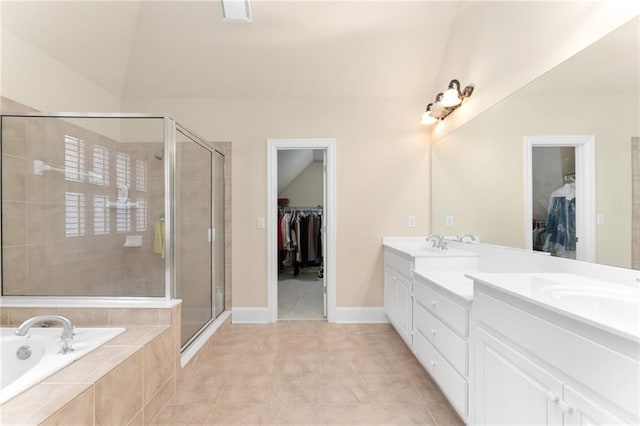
{"x":446,"y":102}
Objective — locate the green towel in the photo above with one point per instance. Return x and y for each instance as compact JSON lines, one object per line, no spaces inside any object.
{"x":158,"y":242}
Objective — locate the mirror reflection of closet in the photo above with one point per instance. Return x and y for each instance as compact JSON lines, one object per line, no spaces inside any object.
{"x":554,"y":200}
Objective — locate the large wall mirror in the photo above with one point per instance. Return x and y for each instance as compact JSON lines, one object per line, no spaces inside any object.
{"x":479,"y":171}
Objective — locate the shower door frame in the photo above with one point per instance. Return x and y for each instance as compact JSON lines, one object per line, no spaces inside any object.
{"x":201,"y":142}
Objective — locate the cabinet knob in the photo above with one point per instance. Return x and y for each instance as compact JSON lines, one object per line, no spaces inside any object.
{"x":565,"y":408}
{"x":433,"y":363}
{"x":434,"y":303}
{"x":434,"y":332}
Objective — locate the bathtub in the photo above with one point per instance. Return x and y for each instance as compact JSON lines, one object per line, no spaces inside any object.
{"x":42,"y":345}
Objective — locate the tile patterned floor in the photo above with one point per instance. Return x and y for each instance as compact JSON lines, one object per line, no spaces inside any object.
{"x":306,"y":373}
{"x":301,"y":297}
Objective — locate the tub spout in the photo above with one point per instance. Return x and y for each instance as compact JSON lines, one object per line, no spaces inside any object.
{"x":67,"y":325}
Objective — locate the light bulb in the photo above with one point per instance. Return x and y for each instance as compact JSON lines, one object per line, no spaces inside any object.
{"x":450,"y":98}
{"x":427,"y":119}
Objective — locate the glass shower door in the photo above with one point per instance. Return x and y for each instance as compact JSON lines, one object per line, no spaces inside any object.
{"x":194,"y":235}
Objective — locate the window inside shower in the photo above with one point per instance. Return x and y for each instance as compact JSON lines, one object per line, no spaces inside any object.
{"x":82,"y":204}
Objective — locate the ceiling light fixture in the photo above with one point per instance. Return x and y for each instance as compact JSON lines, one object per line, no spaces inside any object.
{"x":446,"y":102}
{"x":236,"y":11}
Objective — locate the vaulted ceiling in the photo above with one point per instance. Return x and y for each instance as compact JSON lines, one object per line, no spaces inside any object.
{"x":292,"y":48}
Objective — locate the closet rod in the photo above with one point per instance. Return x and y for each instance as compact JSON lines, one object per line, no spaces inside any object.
{"x":317,"y":208}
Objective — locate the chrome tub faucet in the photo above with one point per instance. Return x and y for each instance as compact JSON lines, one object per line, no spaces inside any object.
{"x":67,"y":329}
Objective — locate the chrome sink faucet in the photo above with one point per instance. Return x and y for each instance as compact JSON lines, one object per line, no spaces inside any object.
{"x":437,"y":241}
{"x":67,"y":329}
{"x":469,"y":236}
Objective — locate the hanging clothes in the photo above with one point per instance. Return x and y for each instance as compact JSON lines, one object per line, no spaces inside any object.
{"x":561,"y":222}
{"x":311,"y":249}
{"x":539,"y":235}
{"x":299,"y":239}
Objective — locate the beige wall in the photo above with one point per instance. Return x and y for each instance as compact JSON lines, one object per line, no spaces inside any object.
{"x":478,"y":170}
{"x":33,"y":78}
{"x":382,"y":176}
{"x":502,"y":46}
{"x":307,"y":189}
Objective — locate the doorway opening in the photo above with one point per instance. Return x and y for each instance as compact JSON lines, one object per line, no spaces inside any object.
{"x":554,"y":200}
{"x":560,"y":196}
{"x":301,"y":197}
{"x":301,"y":229}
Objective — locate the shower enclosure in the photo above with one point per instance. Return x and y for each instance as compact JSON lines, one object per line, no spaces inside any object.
{"x":112,"y":206}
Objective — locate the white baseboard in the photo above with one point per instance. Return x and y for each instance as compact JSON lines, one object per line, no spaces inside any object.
{"x":257,"y":315}
{"x":361,"y":315}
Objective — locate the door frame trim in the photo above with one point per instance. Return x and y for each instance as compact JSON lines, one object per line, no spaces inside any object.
{"x":585,"y":146}
{"x":273,"y":146}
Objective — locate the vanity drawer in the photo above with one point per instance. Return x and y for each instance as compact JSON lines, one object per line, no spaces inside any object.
{"x":453,"y":347}
{"x":398,"y":263}
{"x":454,"y":386}
{"x":452,"y":314}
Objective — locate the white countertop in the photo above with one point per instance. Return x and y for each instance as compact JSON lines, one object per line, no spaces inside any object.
{"x":418,"y":247}
{"x":609,"y":306}
{"x":454,"y":282}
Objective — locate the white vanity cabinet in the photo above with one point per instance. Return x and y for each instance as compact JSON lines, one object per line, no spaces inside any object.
{"x":401,"y":257}
{"x":441,"y":335}
{"x":397,"y":293}
{"x":535,"y":366}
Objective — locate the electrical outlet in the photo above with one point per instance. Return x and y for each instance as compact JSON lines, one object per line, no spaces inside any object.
{"x":411,"y":221}
{"x":600,"y":219}
{"x":448,"y":221}
{"x":261,"y":223}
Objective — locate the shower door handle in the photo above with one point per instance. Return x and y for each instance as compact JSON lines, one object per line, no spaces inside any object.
{"x":211,"y":234}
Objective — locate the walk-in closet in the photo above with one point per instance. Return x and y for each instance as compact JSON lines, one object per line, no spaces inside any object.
{"x":300,"y":229}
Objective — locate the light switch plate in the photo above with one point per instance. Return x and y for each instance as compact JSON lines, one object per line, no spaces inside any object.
{"x":261,"y":223}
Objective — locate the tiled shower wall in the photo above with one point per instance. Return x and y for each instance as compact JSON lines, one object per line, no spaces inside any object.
{"x":60,"y":235}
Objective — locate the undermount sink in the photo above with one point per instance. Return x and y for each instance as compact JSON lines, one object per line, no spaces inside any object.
{"x":611,"y":302}
{"x":601,"y":303}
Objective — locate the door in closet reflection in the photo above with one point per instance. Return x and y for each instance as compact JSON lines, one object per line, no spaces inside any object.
{"x":560,"y":195}
{"x":194,"y":234}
